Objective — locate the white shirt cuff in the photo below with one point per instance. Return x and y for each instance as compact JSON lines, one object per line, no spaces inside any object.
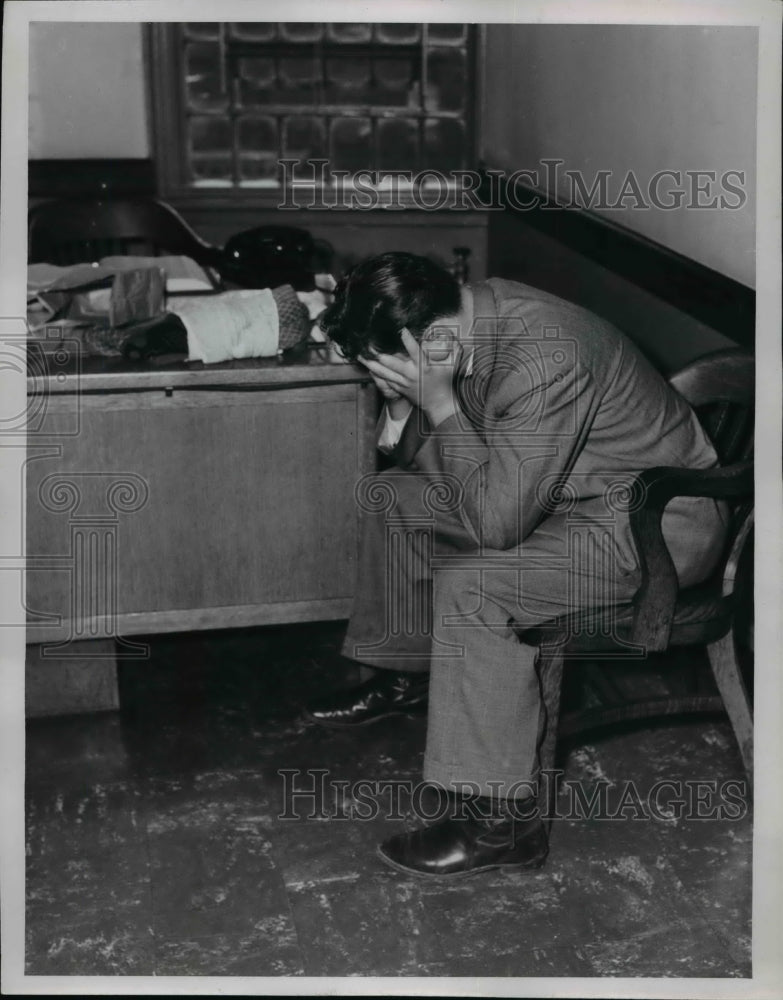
{"x":391,"y":429}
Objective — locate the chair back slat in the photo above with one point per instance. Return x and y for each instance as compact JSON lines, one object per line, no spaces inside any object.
{"x":730,"y":428}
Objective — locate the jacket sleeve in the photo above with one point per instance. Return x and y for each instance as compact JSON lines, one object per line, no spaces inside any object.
{"x":510,"y":471}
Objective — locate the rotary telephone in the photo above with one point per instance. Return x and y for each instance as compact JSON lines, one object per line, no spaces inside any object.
{"x":268,"y":256}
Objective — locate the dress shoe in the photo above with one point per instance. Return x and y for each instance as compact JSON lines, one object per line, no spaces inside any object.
{"x":380,"y":697}
{"x":455,"y":847}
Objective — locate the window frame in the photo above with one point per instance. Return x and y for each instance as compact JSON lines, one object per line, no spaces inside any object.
{"x":166,"y":100}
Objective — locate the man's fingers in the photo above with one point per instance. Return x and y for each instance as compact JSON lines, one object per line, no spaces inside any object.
{"x":411,"y":345}
{"x":385,"y":387}
{"x":395,"y":364}
{"x":388,"y":374}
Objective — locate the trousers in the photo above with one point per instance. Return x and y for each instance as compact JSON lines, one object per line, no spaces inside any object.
{"x":429,"y":598}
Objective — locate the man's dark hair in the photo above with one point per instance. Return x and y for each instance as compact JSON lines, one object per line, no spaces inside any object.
{"x":383,"y":294}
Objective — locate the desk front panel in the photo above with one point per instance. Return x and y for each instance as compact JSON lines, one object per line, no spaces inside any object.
{"x":198,"y":509}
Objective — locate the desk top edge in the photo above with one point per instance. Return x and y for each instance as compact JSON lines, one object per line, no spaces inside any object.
{"x":48,"y":375}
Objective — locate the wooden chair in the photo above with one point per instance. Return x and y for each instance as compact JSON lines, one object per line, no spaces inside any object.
{"x":720,"y":388}
{"x":71,"y":231}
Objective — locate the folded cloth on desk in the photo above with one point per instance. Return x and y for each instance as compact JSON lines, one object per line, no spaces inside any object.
{"x":250,"y":323}
{"x":95,"y":295}
{"x":122,"y":314}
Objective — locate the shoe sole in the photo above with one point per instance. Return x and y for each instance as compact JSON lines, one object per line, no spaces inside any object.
{"x":413,"y":710}
{"x":507,"y":868}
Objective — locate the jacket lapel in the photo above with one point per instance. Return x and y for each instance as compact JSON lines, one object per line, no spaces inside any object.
{"x":413,"y":433}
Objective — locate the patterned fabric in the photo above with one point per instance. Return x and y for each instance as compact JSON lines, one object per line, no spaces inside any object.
{"x":294,"y":319}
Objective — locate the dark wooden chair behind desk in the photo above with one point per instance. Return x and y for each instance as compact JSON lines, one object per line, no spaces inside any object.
{"x":720,"y":388}
{"x":71,"y":231}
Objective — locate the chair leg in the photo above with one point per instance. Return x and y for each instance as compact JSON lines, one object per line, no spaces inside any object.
{"x":549,"y":665}
{"x":726,"y":671}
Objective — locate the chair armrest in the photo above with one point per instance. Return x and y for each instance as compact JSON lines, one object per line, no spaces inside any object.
{"x":656,"y":597}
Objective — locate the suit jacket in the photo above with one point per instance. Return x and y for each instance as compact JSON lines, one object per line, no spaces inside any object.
{"x":561,"y":413}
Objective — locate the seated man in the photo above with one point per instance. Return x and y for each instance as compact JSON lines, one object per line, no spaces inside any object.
{"x":517,"y":422}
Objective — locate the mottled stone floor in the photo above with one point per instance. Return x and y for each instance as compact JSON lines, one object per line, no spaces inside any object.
{"x":156,"y":844}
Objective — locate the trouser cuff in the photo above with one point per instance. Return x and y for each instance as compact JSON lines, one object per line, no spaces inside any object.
{"x":469,"y":782}
{"x":399,"y":662}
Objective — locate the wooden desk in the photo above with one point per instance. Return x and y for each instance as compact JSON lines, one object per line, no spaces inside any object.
{"x":185,"y":497}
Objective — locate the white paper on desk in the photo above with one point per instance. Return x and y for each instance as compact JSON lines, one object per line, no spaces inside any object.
{"x":239,"y":324}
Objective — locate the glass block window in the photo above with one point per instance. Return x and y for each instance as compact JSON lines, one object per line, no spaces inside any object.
{"x":362,"y":96}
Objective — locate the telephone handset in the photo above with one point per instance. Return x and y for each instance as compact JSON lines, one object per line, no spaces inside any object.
{"x":268,"y":256}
